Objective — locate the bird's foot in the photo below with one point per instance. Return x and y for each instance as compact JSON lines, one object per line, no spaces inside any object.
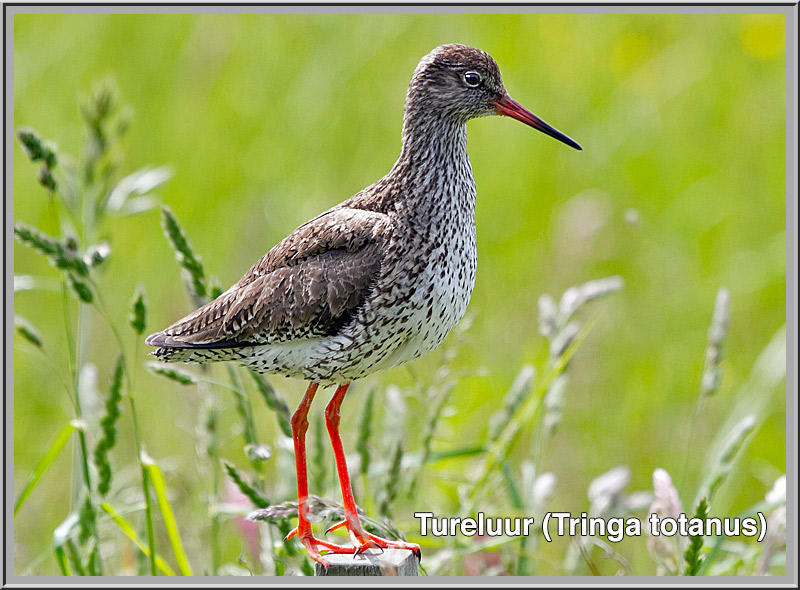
{"x":313,"y":545}
{"x":365,"y":540}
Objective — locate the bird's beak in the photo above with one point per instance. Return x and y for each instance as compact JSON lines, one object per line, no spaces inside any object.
{"x":511,"y":108}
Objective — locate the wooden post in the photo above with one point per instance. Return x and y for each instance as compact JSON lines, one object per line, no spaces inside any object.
{"x":392,"y":562}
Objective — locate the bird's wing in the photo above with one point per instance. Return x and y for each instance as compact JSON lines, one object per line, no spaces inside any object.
{"x":307,"y":285}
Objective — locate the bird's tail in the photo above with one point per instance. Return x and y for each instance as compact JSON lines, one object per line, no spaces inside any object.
{"x":171,"y":350}
{"x":191,"y":355}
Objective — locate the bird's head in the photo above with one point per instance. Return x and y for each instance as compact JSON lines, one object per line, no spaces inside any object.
{"x":462,"y":82}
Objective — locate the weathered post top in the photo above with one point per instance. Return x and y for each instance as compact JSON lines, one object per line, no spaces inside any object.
{"x":392,"y":562}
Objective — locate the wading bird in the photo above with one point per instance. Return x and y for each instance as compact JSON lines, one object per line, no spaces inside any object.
{"x":375,"y":282}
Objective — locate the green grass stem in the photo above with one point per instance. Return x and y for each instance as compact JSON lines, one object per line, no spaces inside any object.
{"x":129,"y":532}
{"x":44,"y":463}
{"x":157,"y":480}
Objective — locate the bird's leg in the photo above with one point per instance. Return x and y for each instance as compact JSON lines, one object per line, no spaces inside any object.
{"x":303,"y":529}
{"x":361,"y":538}
{"x":351,"y":520}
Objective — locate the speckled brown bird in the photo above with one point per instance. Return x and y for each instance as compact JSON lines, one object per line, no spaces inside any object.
{"x":374,"y":282}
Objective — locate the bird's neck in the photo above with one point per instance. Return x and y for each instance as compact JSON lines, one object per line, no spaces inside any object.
{"x":433,"y":162}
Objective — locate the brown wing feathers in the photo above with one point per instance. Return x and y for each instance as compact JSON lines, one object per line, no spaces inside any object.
{"x":307,"y":285}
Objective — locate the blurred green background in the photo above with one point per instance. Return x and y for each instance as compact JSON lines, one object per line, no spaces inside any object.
{"x":268,"y":120}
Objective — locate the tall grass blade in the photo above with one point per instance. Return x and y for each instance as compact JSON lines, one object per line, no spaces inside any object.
{"x":127,"y":529}
{"x":512,"y":488}
{"x":157,"y":479}
{"x":252,"y":494}
{"x":733,"y":443}
{"x":74,"y":558}
{"x":30,"y":283}
{"x":136,"y":186}
{"x":93,"y":562}
{"x":44,"y":463}
{"x":455,"y":453}
{"x":61,"y":560}
{"x":184,"y":252}
{"x":60,"y":537}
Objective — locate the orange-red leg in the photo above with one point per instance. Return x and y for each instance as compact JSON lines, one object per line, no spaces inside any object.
{"x":303,"y":530}
{"x":361,"y":538}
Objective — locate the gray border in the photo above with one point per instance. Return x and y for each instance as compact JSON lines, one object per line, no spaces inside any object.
{"x":790,"y":11}
{"x":791,"y":290}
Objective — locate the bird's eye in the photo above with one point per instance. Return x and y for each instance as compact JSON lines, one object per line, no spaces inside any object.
{"x":472,"y":79}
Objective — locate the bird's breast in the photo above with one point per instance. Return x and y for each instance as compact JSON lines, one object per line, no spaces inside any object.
{"x":432,"y":281}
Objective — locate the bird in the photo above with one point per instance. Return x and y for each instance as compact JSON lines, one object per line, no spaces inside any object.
{"x":372,"y":283}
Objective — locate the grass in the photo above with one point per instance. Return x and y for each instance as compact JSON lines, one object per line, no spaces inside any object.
{"x":533,"y":402}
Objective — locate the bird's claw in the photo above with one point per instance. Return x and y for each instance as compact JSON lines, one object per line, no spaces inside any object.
{"x":311,"y":543}
{"x":364,"y":544}
{"x":336,"y":526}
{"x":364,"y":540}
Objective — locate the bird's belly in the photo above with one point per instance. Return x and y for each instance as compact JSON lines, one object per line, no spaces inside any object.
{"x":438,"y":302}
{"x":398,"y":334}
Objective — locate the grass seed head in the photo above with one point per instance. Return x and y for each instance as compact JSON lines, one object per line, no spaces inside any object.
{"x":548,"y":316}
{"x":184,"y":253}
{"x":717,"y":332}
{"x":666,"y":503}
{"x":606,"y":489}
{"x":174,"y":374}
{"x":137,"y":318}
{"x":575,"y":297}
{"x":28,"y":331}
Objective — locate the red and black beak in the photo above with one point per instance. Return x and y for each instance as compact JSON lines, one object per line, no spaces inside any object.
{"x":511,"y":108}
